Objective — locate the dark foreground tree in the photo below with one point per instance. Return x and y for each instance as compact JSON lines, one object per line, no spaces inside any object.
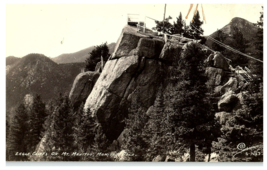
{"x":17,"y":139}
{"x":95,"y":56}
{"x":59,"y":131}
{"x":37,"y":116}
{"x":193,"y":119}
{"x":195,"y":31}
{"x":178,"y":26}
{"x":164,"y":27}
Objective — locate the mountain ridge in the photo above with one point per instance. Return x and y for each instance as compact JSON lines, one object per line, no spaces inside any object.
{"x":79,"y":56}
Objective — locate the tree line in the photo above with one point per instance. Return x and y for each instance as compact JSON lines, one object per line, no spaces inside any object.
{"x":193,"y":30}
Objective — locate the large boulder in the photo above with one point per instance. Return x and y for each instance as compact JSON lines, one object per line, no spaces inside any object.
{"x":127,"y":41}
{"x":122,"y":81}
{"x":215,"y":76}
{"x":220,"y":61}
{"x":170,"y":52}
{"x":217,"y":60}
{"x":148,"y":48}
{"x":231,"y":85}
{"x":242,"y":96}
{"x":228,"y":101}
{"x":82,"y":86}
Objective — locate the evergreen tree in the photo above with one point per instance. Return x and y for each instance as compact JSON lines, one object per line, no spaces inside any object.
{"x":164,"y":27}
{"x":193,"y":120}
{"x":17,"y":140}
{"x":60,"y":131}
{"x":178,"y":25}
{"x":156,"y":129}
{"x":37,"y":118}
{"x":134,"y":141}
{"x":95,"y":56}
{"x":100,"y":145}
{"x":83,"y":132}
{"x":195,"y":30}
{"x":255,"y":66}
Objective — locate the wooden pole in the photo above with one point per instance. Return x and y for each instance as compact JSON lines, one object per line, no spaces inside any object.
{"x":164,"y":18}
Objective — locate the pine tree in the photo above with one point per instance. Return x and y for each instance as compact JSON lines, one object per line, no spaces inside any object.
{"x":156,"y":128}
{"x":193,"y":120}
{"x":17,"y":140}
{"x":83,"y":132}
{"x":60,"y":131}
{"x":178,"y":25}
{"x":255,"y":66}
{"x":100,"y":145}
{"x":195,"y":30}
{"x":37,"y":118}
{"x":164,"y":27}
{"x":133,"y":141}
{"x":95,"y":56}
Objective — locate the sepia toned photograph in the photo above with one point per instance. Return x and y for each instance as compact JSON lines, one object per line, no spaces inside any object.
{"x":163,"y":82}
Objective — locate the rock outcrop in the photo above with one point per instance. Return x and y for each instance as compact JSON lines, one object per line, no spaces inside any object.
{"x":231,"y":85}
{"x":228,"y":102}
{"x":215,"y":76}
{"x":82,"y":87}
{"x":131,"y":75}
{"x":217,"y":60}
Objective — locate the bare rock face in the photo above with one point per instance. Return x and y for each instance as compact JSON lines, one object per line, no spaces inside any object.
{"x":82,"y":86}
{"x":170,"y":51}
{"x":217,"y":60}
{"x":215,"y":76}
{"x":148,"y":48}
{"x":131,"y":75}
{"x":232,"y":85}
{"x":242,"y":96}
{"x":122,"y":81}
{"x":228,"y":102}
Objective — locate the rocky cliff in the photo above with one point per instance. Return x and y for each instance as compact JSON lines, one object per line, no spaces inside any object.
{"x":134,"y":73}
{"x":137,"y":71}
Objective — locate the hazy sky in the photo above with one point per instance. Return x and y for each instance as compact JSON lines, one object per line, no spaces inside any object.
{"x":42,"y":28}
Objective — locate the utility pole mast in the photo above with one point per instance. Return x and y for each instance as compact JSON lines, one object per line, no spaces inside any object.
{"x":164,"y":18}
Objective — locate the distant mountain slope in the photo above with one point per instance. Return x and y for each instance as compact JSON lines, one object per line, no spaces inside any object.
{"x":11,"y":60}
{"x":247,"y":28}
{"x":38,"y":74}
{"x":79,"y":56}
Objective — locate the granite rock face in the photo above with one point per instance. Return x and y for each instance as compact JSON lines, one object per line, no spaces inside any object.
{"x":82,"y":86}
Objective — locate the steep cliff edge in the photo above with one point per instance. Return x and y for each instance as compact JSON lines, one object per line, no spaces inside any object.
{"x":133,"y":73}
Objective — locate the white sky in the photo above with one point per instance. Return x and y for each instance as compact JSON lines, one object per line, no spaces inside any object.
{"x":41,"y":28}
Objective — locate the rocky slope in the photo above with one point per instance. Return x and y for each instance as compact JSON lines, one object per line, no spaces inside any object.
{"x":36,"y":73}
